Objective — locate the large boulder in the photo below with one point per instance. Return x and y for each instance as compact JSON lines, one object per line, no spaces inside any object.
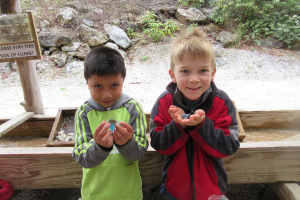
{"x":226,"y":38}
{"x":118,"y":35}
{"x":60,"y":58}
{"x":66,"y":15}
{"x":191,"y":15}
{"x":54,"y":40}
{"x":72,"y":46}
{"x":91,"y":36}
{"x":271,"y":42}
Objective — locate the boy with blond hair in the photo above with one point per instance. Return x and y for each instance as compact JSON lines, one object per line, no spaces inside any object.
{"x":193,"y":123}
{"x":109,"y":153}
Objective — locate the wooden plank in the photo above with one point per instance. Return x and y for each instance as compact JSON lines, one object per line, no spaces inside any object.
{"x":264,"y":162}
{"x":286,"y":191}
{"x":283,"y":119}
{"x":294,"y":138}
{"x":11,"y":124}
{"x":53,"y":167}
{"x":289,"y":119}
{"x":37,"y":125}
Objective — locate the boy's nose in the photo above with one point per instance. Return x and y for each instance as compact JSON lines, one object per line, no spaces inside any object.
{"x":194,"y":78}
{"x":107,"y":95}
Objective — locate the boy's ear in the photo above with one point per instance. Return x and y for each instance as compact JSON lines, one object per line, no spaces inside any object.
{"x":172,"y":76}
{"x":213,"y":73}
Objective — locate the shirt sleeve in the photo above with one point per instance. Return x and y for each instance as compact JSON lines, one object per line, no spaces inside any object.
{"x":135,"y":148}
{"x":218,"y":133}
{"x":167,"y":137}
{"x":86,"y":151}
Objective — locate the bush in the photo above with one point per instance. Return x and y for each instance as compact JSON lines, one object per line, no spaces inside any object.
{"x":156,"y":29}
{"x":256,"y":19}
{"x":192,"y":3}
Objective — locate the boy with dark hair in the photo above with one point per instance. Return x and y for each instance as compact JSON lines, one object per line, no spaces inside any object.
{"x":193,"y":123}
{"x":109,"y":156}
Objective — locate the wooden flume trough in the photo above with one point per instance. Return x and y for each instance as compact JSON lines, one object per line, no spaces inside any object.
{"x":27,"y":163}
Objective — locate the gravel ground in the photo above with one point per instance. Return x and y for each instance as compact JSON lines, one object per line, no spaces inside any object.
{"x":254,"y":80}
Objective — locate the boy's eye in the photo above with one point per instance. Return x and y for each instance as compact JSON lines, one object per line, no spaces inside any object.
{"x":97,"y":86}
{"x":203,"y":70}
{"x":115,"y":85}
{"x":185,"y":71}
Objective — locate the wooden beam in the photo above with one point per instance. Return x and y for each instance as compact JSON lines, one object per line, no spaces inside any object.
{"x":11,"y":124}
{"x":31,"y":87}
{"x":282,"y":119}
{"x":286,"y":191}
{"x":53,"y":167}
{"x":37,"y":125}
{"x":264,"y":162}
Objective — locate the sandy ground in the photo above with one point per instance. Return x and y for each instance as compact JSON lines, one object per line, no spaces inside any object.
{"x":254,"y":80}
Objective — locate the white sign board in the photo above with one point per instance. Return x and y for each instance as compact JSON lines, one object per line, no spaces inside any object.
{"x":17,"y":50}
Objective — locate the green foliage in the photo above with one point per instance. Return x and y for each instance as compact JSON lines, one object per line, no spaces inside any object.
{"x":256,"y":19}
{"x":25,"y":4}
{"x":192,"y":26}
{"x":131,"y":33}
{"x":192,"y":3}
{"x":156,"y":29}
{"x":144,"y":58}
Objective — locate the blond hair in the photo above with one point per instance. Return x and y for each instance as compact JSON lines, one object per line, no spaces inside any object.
{"x":195,"y":44}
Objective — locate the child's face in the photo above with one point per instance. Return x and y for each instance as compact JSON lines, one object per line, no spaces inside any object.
{"x":105,"y":90}
{"x":193,"y":76}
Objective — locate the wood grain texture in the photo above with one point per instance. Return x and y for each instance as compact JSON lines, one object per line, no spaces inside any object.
{"x":31,"y":88}
{"x":286,"y":191}
{"x":38,"y":125}
{"x":281,"y":119}
{"x":53,"y":167}
{"x":14,"y":122}
{"x":264,"y":162}
{"x":62,"y":113}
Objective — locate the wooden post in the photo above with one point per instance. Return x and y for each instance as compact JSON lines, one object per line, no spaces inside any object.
{"x":27,"y":71}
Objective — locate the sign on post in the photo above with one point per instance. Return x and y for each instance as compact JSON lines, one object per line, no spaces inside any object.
{"x":18,"y":38}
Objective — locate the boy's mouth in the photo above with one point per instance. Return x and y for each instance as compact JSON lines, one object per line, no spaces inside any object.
{"x":107,"y":102}
{"x":194,"y":88}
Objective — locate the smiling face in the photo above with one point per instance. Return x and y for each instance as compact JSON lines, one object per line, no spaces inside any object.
{"x":105,"y":90}
{"x":193,"y":76}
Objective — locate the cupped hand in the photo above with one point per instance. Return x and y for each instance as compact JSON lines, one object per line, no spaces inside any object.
{"x":194,"y":119}
{"x":122,"y":134}
{"x":103,"y":135}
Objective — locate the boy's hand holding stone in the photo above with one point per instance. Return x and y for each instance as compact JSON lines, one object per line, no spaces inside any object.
{"x":194,"y":119}
{"x":103,"y":135}
{"x":176,"y":114}
{"x":122,"y":134}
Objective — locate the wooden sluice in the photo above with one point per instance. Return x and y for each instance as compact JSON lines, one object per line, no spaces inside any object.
{"x":27,"y":163}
